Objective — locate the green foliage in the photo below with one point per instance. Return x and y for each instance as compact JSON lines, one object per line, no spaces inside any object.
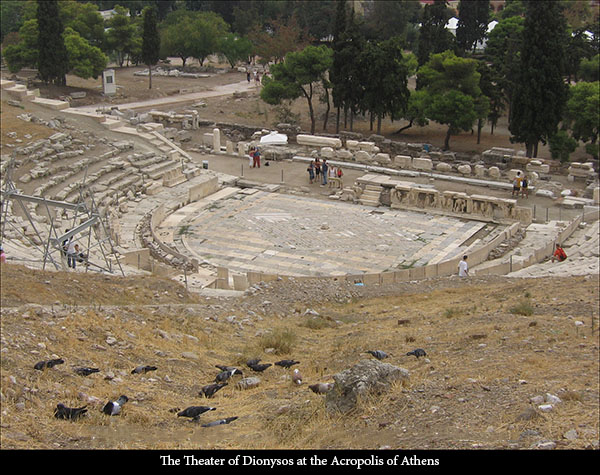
{"x":53,"y":63}
{"x":490,"y":87}
{"x":282,"y":37}
{"x":384,"y":78}
{"x":318,"y":322}
{"x":150,"y":37}
{"x":11,"y":17}
{"x":593,"y":149}
{"x":453,"y":96}
{"x":345,"y":73}
{"x":540,"y":91}
{"x":434,"y":37}
{"x":451,"y":312}
{"x":562,"y":146}
{"x":234,"y":48}
{"x":512,"y":8}
{"x":391,"y":19}
{"x":85,"y":60}
{"x":522,"y":308}
{"x":25,"y":53}
{"x":296,"y":75}
{"x":502,"y":50}
{"x":281,"y":340}
{"x":472,"y":23}
{"x":582,"y":112}
{"x":210,"y":27}
{"x":85,"y":19}
{"x":120,"y":34}
{"x":589,"y":69}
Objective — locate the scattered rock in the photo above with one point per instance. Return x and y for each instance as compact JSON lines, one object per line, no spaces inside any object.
{"x":365,"y":378}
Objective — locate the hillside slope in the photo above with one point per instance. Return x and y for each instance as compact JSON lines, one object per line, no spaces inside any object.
{"x":492,"y":344}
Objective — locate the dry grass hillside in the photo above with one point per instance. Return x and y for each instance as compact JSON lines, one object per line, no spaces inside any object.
{"x":492,"y":345}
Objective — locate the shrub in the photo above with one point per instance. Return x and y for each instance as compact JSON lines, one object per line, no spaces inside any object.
{"x":281,"y":340}
{"x":451,"y":312}
{"x":522,"y":308}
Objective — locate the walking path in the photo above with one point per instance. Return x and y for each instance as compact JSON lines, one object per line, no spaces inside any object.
{"x":223,"y":90}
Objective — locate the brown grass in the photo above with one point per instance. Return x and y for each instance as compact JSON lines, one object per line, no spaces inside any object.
{"x":468,"y":384}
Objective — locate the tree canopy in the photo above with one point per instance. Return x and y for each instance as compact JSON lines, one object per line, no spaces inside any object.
{"x":453,"y":95}
{"x":540,"y":90}
{"x":150,"y":41}
{"x":53,"y":63}
{"x":297,"y":76}
{"x":473,"y":19}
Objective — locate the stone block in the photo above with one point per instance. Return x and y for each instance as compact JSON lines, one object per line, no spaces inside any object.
{"x":403,"y":161}
{"x":362,"y":156}
{"x":367,"y":146}
{"x":240,"y":282}
{"x":327,"y":152}
{"x":352,"y":144}
{"x":344,"y":154}
{"x":317,"y":141}
{"x":494,"y":172}
{"x":422,"y":164}
{"x":382,"y":158}
{"x":464,"y":169}
{"x":443,"y":167}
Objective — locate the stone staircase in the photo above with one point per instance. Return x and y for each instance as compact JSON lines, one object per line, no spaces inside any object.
{"x":370,"y":195}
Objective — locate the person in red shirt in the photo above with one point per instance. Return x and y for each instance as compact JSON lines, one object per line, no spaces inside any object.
{"x":559,"y":254}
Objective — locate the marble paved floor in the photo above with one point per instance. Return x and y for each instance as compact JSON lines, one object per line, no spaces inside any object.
{"x":259,"y":231}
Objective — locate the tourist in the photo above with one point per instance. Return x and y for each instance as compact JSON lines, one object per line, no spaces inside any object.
{"x":257,"y":78}
{"x":256,"y":158}
{"x":80,"y":255}
{"x":251,"y":156}
{"x":317,"y":168}
{"x":524,"y":187}
{"x":2,"y":256}
{"x":248,"y":76}
{"x":559,"y":254}
{"x":463,"y":267}
{"x":311,"y":172}
{"x":324,"y":170}
{"x":71,"y":253}
{"x":332,"y":176}
{"x":340,"y":174}
{"x":517,"y":185}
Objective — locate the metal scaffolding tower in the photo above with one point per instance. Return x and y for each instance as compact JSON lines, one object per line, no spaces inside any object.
{"x":86,"y":223}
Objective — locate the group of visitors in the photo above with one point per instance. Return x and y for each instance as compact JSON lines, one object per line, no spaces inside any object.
{"x":256,"y":77}
{"x":254,"y":156}
{"x":321,"y":172}
{"x":520,"y":186}
{"x":73,"y":252}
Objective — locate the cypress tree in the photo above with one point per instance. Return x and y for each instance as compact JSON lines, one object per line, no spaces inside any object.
{"x":53,"y":62}
{"x":433,"y":36}
{"x":473,"y":17}
{"x":336,"y":73}
{"x":541,"y":92}
{"x":150,"y":42}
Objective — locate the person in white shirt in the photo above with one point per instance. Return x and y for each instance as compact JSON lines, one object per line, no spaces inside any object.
{"x":463,"y":267}
{"x":71,"y":253}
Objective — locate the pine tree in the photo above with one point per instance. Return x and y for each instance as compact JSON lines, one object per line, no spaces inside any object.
{"x":150,"y":42}
{"x":53,"y":62}
{"x":541,"y":92}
